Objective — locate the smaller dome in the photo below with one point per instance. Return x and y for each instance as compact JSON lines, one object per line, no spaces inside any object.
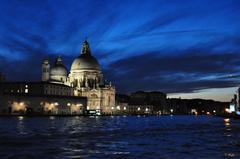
{"x":45,"y":61}
{"x":58,"y":69}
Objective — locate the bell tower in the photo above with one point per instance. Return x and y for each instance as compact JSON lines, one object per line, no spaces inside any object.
{"x":45,"y":70}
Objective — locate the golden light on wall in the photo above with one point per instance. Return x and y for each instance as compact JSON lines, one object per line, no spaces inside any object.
{"x":78,"y":105}
{"x":18,"y":106}
{"x":75,"y":108}
{"x":49,"y":106}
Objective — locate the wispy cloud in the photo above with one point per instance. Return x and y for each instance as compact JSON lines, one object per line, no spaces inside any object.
{"x":149,"y":45}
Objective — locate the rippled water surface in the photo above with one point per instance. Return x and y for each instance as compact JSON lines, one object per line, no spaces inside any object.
{"x":170,"y":137}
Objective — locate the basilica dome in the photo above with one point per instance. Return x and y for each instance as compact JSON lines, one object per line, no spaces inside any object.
{"x":85,"y":61}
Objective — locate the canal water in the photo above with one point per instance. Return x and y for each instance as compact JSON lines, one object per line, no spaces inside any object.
{"x":167,"y":137}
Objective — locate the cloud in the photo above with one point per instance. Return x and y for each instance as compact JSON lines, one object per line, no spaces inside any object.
{"x":33,"y":48}
{"x":182,"y":72}
{"x":152,"y":46}
{"x":153,"y":26}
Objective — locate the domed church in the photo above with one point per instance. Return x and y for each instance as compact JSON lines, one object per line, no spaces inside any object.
{"x":85,"y":77}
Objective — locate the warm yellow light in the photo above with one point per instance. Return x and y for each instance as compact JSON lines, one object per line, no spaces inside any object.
{"x":69,"y":104}
{"x":18,"y":106}
{"x":48,"y":106}
{"x":227,"y":110}
{"x":226,"y":120}
{"x":20,"y":118}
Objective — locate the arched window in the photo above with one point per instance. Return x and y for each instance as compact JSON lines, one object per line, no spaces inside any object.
{"x":94,"y":95}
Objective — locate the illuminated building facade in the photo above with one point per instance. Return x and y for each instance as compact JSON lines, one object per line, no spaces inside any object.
{"x":86,"y":79}
{"x":39,"y":98}
{"x":80,"y":90}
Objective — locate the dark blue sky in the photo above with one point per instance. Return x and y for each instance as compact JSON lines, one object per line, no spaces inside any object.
{"x":167,"y":45}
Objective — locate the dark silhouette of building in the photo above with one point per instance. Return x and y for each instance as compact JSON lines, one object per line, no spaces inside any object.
{"x":193,"y":106}
{"x":2,"y":78}
{"x":155,"y":99}
{"x":141,"y":103}
{"x":156,"y":103}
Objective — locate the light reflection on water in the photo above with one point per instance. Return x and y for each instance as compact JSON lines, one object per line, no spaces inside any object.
{"x":119,"y":137}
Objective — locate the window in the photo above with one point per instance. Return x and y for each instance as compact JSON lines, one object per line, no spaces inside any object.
{"x":94,"y":95}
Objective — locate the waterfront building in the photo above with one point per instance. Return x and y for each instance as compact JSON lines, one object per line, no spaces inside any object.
{"x":238,"y":100}
{"x":141,"y":103}
{"x":195,"y":106}
{"x":36,"y":88}
{"x":156,"y":103}
{"x":86,"y":79}
{"x":83,"y":86}
{"x":35,"y":98}
{"x":155,"y":100}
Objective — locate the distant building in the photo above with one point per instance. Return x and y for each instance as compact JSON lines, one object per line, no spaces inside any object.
{"x":157,"y":100}
{"x":238,"y":100}
{"x":2,"y":78}
{"x":195,"y":106}
{"x":141,"y":103}
{"x":234,"y":104}
{"x":156,"y":103}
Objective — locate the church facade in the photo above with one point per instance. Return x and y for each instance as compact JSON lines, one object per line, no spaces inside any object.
{"x":86,"y":79}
